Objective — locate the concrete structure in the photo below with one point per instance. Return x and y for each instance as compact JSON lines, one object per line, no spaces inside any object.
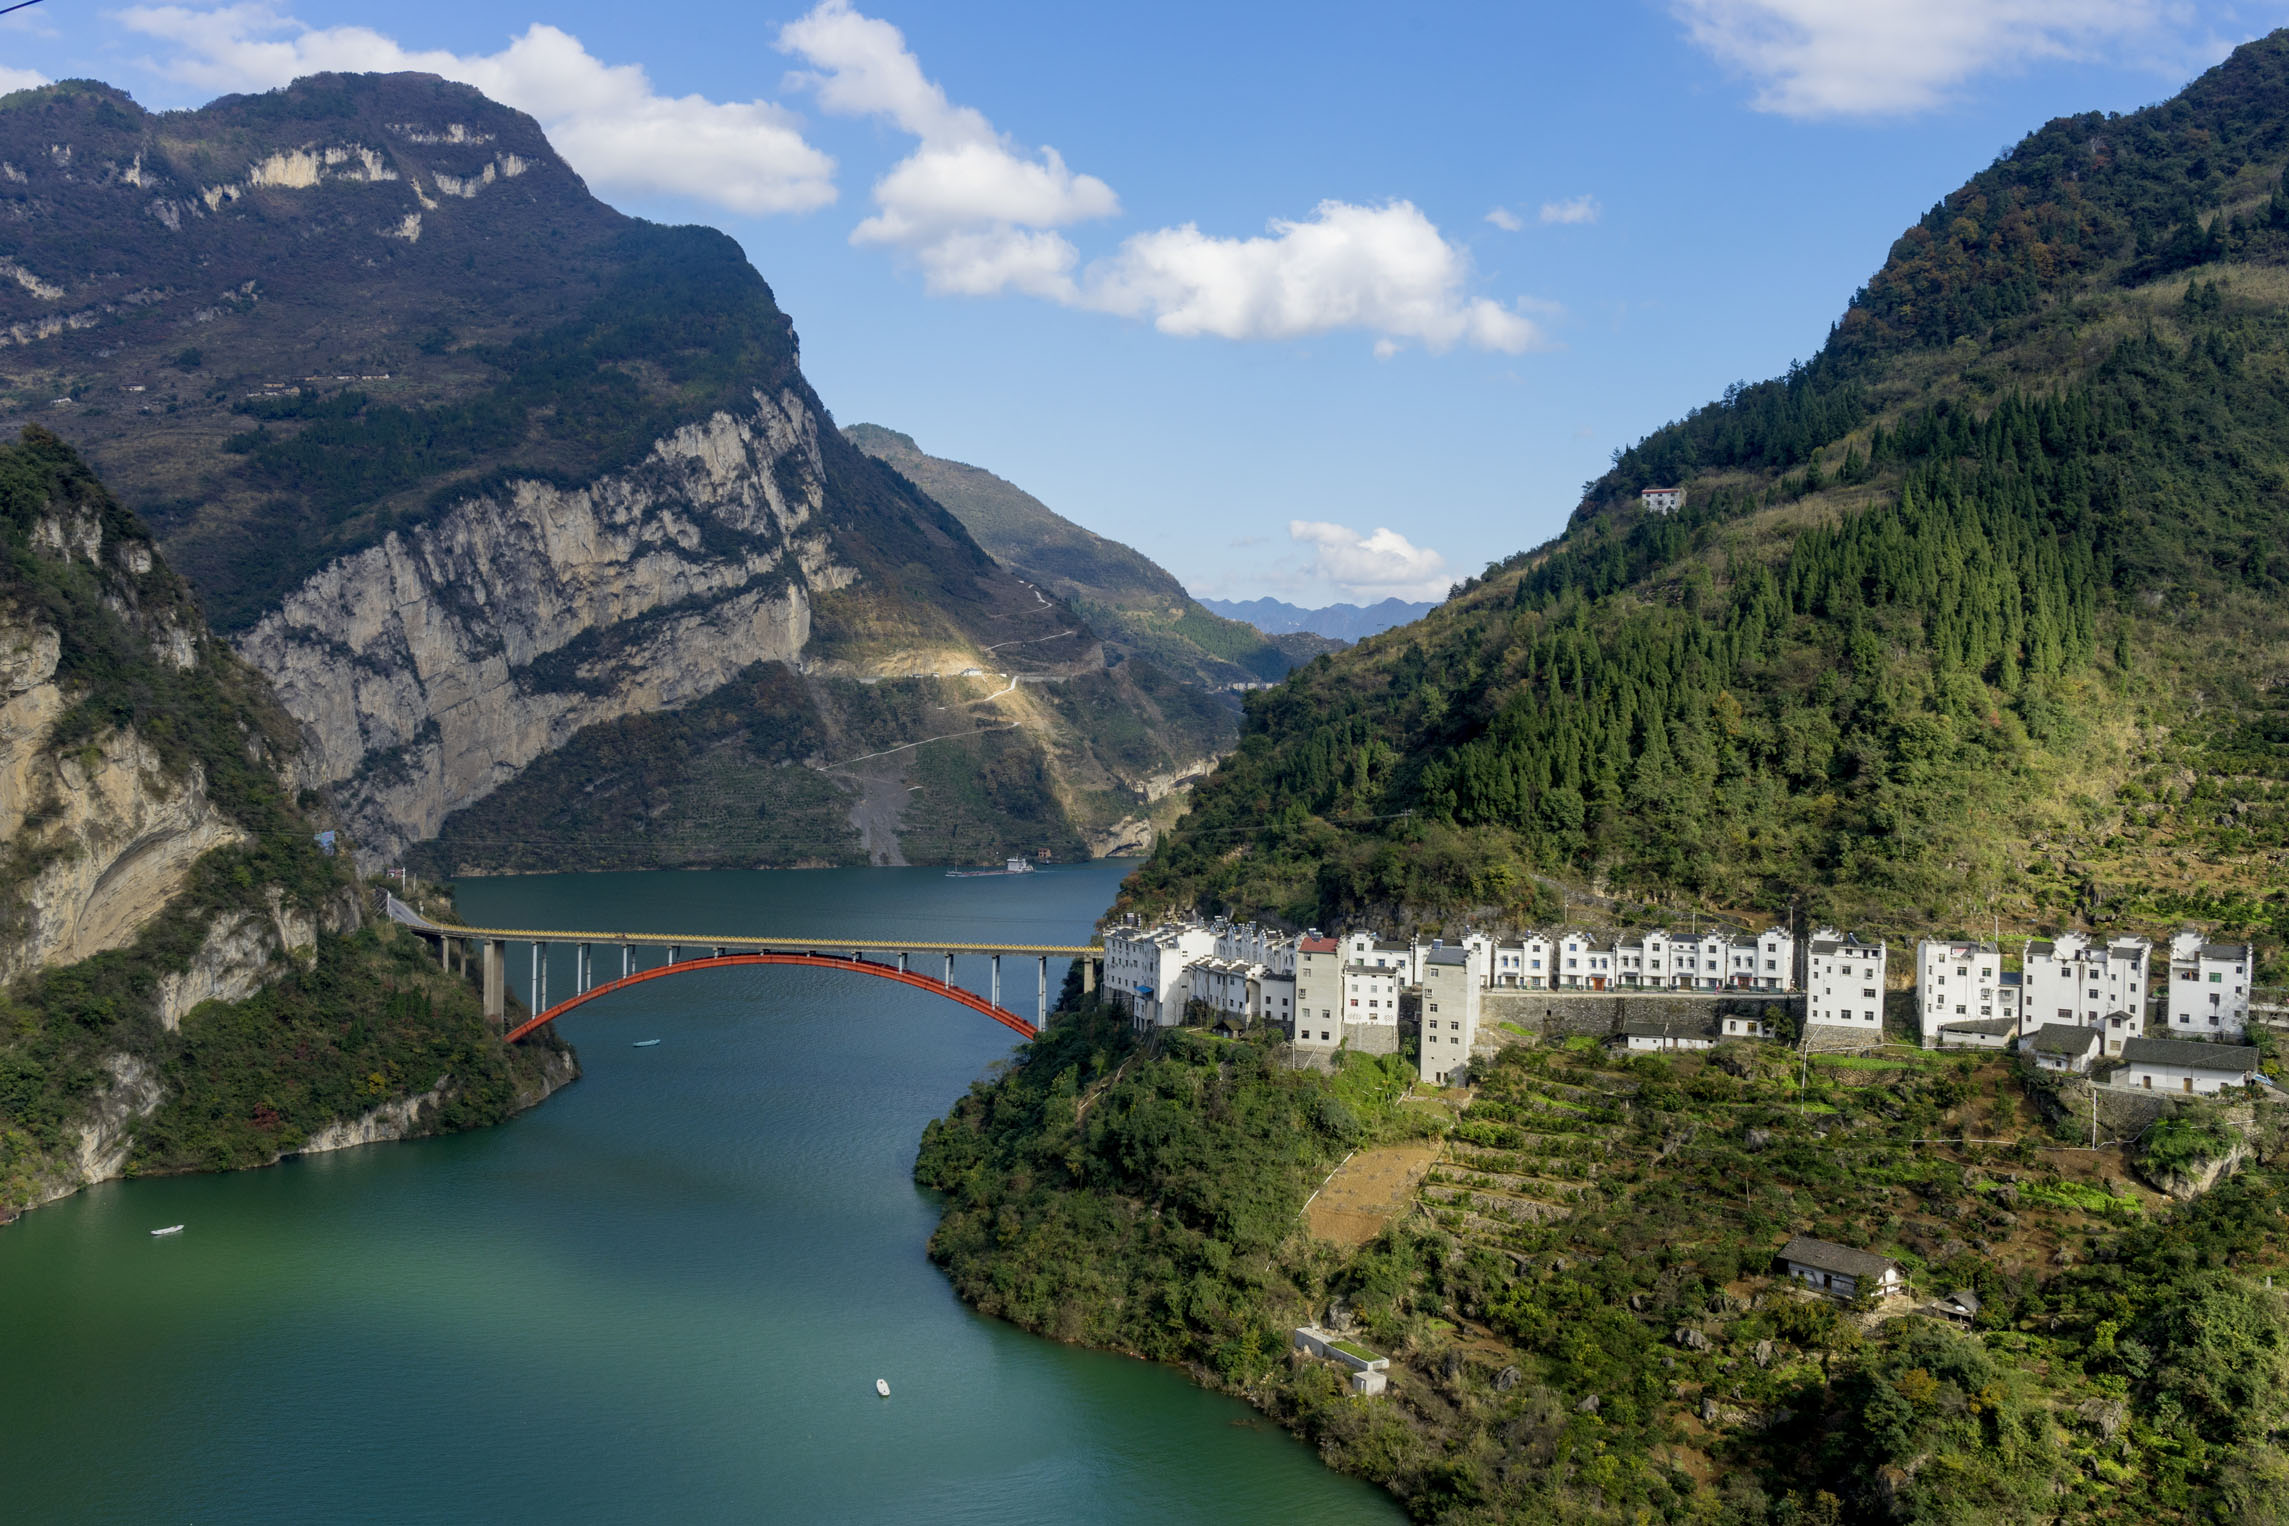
{"x":1145,"y":969}
{"x":1656,"y":1034}
{"x":2209,"y":988}
{"x":1956,"y":981}
{"x":1318,"y":1022}
{"x":2071,"y":979}
{"x":1979,"y":1033}
{"x":1736,"y":1026}
{"x":1328,"y":1346}
{"x":1662,"y":500}
{"x":1450,"y":1013}
{"x":1844,"y":983}
{"x":2064,"y":1046}
{"x":2185,"y":1066}
{"x":1840,"y":1271}
{"x":1579,"y":963}
{"x":1766,"y":962}
{"x":1371,"y":1007}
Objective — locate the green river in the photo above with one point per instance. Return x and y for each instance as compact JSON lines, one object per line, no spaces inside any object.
{"x":664,"y":1295}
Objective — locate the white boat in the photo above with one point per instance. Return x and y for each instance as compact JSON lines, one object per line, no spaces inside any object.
{"x":643,"y":1043}
{"x":172,"y":1229}
{"x":882,"y":1387}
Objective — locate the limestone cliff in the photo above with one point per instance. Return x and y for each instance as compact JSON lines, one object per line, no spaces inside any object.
{"x":184,"y":981}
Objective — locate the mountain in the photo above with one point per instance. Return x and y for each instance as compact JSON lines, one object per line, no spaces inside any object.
{"x":1142,"y":610}
{"x":187,"y":983}
{"x":1977,"y":615}
{"x":1343,"y":622}
{"x":485,"y":476}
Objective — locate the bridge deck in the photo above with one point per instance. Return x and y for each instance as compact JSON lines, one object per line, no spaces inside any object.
{"x":400,"y":912}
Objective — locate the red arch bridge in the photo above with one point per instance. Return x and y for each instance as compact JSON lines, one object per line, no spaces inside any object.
{"x":886,"y":960}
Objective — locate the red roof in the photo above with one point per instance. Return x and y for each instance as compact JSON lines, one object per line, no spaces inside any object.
{"x":1316,"y":946}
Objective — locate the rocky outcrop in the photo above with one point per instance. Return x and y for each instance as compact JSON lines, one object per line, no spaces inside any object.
{"x":112,"y":835}
{"x":235,"y":960}
{"x":129,"y":1094}
{"x":431,"y":668}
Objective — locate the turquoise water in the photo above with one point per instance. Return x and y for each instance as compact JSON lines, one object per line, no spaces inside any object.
{"x":663,"y":1295}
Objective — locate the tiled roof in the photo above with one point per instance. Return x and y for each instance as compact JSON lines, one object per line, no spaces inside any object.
{"x":1828,"y":1256}
{"x":2189,"y":1054}
{"x":1987,"y":1025}
{"x":2235,"y":952}
{"x":1667,"y":1027}
{"x":2064,"y":1038}
{"x":1316,"y":946}
{"x":1447,"y":956}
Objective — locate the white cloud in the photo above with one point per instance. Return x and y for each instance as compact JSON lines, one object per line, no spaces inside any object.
{"x":606,"y":119}
{"x":1383,"y":565}
{"x":1382,"y":269}
{"x":981,"y":217}
{"x":1505,"y":219}
{"x":19,"y":79}
{"x":976,"y":214}
{"x":1821,"y":58}
{"x":1574,"y":209}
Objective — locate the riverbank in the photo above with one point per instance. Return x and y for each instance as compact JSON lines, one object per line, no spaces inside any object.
{"x":1581,"y":1307}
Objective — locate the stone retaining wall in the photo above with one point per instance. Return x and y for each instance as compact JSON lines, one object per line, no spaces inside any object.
{"x":1599,"y":1013}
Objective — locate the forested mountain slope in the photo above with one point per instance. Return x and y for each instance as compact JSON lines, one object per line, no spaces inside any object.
{"x":476,"y":469}
{"x":1977,"y":612}
{"x":1142,"y":610}
{"x":184,"y":980}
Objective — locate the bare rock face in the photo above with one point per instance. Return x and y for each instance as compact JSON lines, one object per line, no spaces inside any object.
{"x":432,"y":667}
{"x":130,"y":1093}
{"x":237,"y":958}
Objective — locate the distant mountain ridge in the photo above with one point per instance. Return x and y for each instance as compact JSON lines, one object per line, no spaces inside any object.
{"x":487,"y":477}
{"x":1343,"y":622}
{"x":1142,"y":610}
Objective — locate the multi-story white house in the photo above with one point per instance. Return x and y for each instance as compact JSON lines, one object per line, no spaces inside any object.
{"x":1318,"y":1023}
{"x":1371,"y":1007}
{"x":1956,"y":981}
{"x":2209,"y":988}
{"x":1145,"y":969}
{"x":1579,"y":964}
{"x":1242,"y":990}
{"x":1450,"y":1002}
{"x":1662,"y":500}
{"x":1844,"y":983}
{"x":1697,"y":961}
{"x":2185,"y":1066}
{"x":2071,"y":979}
{"x":1766,"y":962}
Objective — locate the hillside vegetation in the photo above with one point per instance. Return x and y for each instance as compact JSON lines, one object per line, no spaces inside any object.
{"x":328,"y":1020}
{"x":1582,"y":1308}
{"x":1977,"y":612}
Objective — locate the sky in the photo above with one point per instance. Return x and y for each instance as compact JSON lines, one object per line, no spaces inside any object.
{"x":1326,"y":301}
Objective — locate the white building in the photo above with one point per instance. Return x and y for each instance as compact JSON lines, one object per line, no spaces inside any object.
{"x":1145,"y":969}
{"x":1956,"y":981}
{"x":1844,"y":983}
{"x":1976,"y":1033}
{"x":1697,"y":961}
{"x":1450,"y":1012}
{"x":2209,"y":988}
{"x":1318,"y":1023}
{"x":1737,"y":1027}
{"x":1657,"y":1034}
{"x":1371,"y":1007}
{"x":1765,"y":962}
{"x":1578,"y":964}
{"x":2071,"y":979}
{"x":2064,"y":1046}
{"x":1662,"y":500}
{"x":2185,"y":1066}
{"x":1839,"y":1270}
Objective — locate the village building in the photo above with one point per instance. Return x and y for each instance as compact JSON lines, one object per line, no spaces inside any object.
{"x":1736,"y":1026}
{"x":2186,"y":1066}
{"x":1840,"y":1271}
{"x":1371,"y":1007}
{"x":1580,"y":965}
{"x":1844,"y":983}
{"x":1662,"y":500}
{"x":1450,"y":1003}
{"x":1979,"y":1033}
{"x":2209,"y":988}
{"x":1956,"y":980}
{"x":1960,"y":1307}
{"x":2073,"y":979}
{"x":1697,"y":961}
{"x":1660,"y":1034}
{"x":1145,"y":969}
{"x":1765,"y":962}
{"x":1318,"y":1023}
{"x":2064,"y":1046}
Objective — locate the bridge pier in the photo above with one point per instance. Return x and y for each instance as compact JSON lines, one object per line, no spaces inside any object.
{"x":995,"y":961}
{"x":626,"y":954}
{"x":496,"y":957}
{"x":583,"y":969}
{"x":1088,"y":974}
{"x":1041,"y":1000}
{"x":902,"y":961}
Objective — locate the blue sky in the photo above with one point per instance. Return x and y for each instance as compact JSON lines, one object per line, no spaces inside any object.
{"x":1327,"y":301}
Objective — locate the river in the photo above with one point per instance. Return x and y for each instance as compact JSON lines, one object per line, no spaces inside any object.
{"x":665,"y":1294}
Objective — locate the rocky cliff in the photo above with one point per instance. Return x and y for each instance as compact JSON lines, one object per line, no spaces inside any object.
{"x":184,"y":981}
{"x":481,"y":473}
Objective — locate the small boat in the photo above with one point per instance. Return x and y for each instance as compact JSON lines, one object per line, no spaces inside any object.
{"x":172,"y":1229}
{"x":643,"y":1044}
{"x":882,"y":1387}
